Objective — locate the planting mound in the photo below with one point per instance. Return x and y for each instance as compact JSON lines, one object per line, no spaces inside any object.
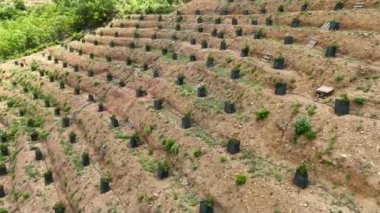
{"x":221,"y":106}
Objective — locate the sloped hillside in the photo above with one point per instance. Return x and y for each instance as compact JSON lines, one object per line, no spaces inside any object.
{"x":212,"y":108}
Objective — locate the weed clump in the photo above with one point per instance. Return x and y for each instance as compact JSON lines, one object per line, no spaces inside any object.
{"x":240,"y":180}
{"x":261,"y":114}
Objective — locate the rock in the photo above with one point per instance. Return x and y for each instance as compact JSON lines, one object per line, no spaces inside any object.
{"x":184,"y":181}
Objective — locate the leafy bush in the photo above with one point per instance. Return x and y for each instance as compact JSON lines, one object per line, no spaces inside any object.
{"x":311,"y":110}
{"x":301,"y":126}
{"x":339,"y":77}
{"x":261,"y":114}
{"x":170,"y":145}
{"x":197,"y":153}
{"x":27,"y":32}
{"x":360,"y":101}
{"x":164,"y":165}
{"x":240,"y":180}
{"x":147,"y":6}
{"x":302,"y":169}
{"x":310,"y":135}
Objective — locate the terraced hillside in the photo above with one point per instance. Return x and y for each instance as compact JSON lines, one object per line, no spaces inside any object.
{"x":209,"y":109}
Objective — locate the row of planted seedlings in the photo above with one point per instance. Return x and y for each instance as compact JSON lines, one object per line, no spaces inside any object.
{"x":53,"y":151}
{"x":174,"y":57}
{"x":142,"y":22}
{"x":114,"y":122}
{"x":68,"y":150}
{"x":258,"y":33}
{"x":72,"y":137}
{"x":185,"y":124}
{"x":74,"y":147}
{"x":157,"y":105}
{"x":287,"y":35}
{"x":9,"y":135}
{"x":31,"y":122}
{"x":278,"y":60}
{"x":101,"y":70}
{"x":310,"y":19}
{"x":237,"y":32}
{"x":246,"y":8}
{"x":280,"y":88}
{"x":192,"y":57}
{"x":138,"y":113}
{"x":201,"y":93}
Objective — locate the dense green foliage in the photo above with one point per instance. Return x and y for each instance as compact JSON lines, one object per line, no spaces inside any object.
{"x":24,"y":31}
{"x":146,"y":6}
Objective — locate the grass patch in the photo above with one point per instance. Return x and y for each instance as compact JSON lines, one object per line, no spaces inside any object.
{"x":202,"y":135}
{"x":32,"y":172}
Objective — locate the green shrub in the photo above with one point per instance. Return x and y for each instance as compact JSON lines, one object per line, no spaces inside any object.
{"x":311,"y":109}
{"x":164,"y":165}
{"x":295,"y":105}
{"x":148,"y":6}
{"x":19,"y":4}
{"x":261,"y":114}
{"x":170,"y":145}
{"x":47,"y":24}
{"x":339,"y":78}
{"x":302,"y":169}
{"x":360,"y":101}
{"x":311,"y":135}
{"x":280,"y":9}
{"x":301,"y":126}
{"x":197,"y":153}
{"x":240,"y":180}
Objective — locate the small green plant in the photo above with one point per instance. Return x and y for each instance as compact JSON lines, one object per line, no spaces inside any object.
{"x":311,"y":110}
{"x":223,"y":159}
{"x":311,"y":135}
{"x":302,"y":126}
{"x":59,"y":207}
{"x":164,"y":166}
{"x":240,"y":180}
{"x":197,"y":153}
{"x":295,"y":105}
{"x":343,"y":97}
{"x":34,"y":66}
{"x":261,"y":114}
{"x":148,"y":129}
{"x":170,"y":145}
{"x":339,"y":77}
{"x":360,"y":101}
{"x":280,"y":9}
{"x":302,"y":169}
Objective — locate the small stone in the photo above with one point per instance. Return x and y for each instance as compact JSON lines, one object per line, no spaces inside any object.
{"x":184,"y":181}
